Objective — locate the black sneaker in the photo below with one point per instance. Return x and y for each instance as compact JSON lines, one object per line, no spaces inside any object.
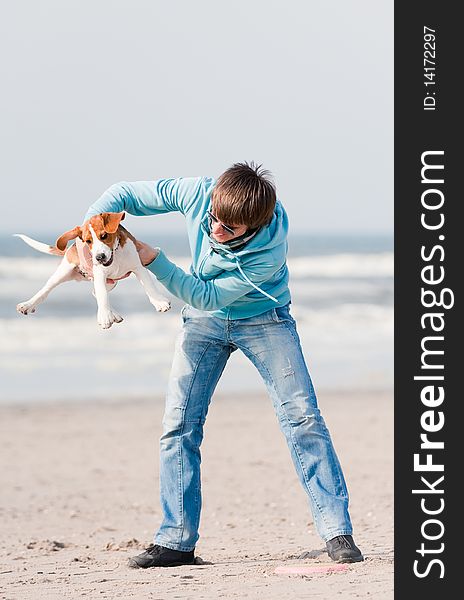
{"x":342,"y":549}
{"x":158,"y":556}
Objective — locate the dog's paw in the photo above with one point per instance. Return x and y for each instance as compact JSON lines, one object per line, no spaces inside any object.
{"x":161,"y":305}
{"x":117,"y":317}
{"x":25,"y":308}
{"x":106,"y":318}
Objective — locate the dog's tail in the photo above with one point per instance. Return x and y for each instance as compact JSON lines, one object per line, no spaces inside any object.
{"x":41,"y":247}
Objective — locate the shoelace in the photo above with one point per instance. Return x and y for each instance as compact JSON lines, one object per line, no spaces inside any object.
{"x":343,"y":542}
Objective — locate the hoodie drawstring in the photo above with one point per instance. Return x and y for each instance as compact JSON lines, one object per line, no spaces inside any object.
{"x":251,"y":283}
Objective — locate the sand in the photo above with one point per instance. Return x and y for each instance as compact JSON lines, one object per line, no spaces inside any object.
{"x":79,"y":495}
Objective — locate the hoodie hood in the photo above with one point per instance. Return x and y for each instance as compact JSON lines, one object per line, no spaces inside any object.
{"x":271,"y":239}
{"x":266,"y":239}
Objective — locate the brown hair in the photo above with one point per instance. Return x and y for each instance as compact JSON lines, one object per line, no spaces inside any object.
{"x":244,"y":195}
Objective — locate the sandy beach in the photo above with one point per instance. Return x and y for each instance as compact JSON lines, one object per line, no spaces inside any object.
{"x":79,"y":495}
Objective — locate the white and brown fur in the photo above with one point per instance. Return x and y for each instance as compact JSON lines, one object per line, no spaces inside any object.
{"x":114,"y":256}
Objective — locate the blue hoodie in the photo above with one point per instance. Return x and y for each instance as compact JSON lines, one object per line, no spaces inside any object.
{"x":230,"y":284}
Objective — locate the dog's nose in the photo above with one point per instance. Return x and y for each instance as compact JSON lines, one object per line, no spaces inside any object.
{"x":100,"y":257}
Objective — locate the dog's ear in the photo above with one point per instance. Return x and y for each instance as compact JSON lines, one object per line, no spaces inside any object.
{"x":63,"y":240}
{"x":111,"y":221}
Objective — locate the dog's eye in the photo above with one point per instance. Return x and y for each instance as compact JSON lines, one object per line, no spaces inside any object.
{"x":103,"y":236}
{"x":88,"y":241}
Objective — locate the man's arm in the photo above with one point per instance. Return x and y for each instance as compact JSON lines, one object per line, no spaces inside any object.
{"x":142,"y":198}
{"x":209,"y":295}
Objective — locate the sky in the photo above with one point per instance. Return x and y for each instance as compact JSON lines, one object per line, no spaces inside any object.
{"x":97,"y":92}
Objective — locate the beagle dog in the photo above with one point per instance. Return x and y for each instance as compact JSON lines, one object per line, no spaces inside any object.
{"x":113,"y":255}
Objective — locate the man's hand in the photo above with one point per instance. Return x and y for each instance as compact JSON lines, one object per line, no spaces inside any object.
{"x":147,"y":254}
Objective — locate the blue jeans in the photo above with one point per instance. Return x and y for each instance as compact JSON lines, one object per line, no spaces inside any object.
{"x":271,"y":342}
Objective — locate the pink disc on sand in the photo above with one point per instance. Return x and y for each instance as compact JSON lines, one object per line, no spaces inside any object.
{"x":310,"y":569}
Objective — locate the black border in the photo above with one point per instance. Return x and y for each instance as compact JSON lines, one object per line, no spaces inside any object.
{"x":416,"y":131}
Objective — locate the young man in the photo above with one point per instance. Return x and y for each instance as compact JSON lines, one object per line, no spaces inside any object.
{"x":237,"y":298}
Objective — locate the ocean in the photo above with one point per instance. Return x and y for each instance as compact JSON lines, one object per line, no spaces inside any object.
{"x":342,"y":299}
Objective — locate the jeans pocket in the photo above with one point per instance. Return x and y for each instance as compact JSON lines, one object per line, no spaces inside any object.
{"x":282,"y":314}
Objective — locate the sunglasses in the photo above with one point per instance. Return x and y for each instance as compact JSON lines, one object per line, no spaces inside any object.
{"x":214,"y":219}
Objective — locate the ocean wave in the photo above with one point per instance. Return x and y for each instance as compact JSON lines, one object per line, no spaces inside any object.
{"x":349,"y":345}
{"x":40,"y":268}
{"x":342,"y":265}
{"x":346,"y":265}
{"x":155,"y":332}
